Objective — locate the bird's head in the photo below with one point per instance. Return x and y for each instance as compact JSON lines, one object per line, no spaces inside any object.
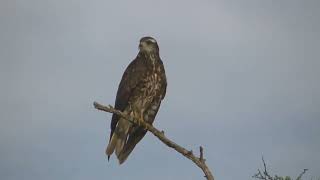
{"x":148,"y":45}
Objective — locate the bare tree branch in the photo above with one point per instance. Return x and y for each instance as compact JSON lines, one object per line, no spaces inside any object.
{"x":265,"y":172}
{"x":266,"y":176}
{"x":199,"y":161}
{"x":301,"y":174}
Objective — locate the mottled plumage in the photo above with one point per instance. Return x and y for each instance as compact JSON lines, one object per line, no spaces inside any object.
{"x":142,"y":87}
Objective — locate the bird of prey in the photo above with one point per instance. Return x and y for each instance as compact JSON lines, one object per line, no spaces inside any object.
{"x":140,"y":92}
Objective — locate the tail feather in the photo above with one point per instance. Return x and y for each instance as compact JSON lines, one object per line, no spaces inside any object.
{"x":118,"y":138}
{"x":119,"y":145}
{"x":133,"y":140}
{"x":112,"y":144}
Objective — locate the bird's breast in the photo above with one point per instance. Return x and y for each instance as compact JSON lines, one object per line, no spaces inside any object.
{"x":153,"y":83}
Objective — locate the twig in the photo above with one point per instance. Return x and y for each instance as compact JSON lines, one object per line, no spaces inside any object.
{"x":160,"y":135}
{"x":263,"y":175}
{"x":266,"y":176}
{"x":201,"y":154}
{"x":301,"y":174}
{"x":265,"y":170}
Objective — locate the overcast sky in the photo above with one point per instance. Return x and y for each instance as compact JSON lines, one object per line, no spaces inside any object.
{"x":243,"y":81}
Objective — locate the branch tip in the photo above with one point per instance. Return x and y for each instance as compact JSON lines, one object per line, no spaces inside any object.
{"x":201,"y":154}
{"x":95,"y":104}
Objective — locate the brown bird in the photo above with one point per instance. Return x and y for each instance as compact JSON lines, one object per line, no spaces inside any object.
{"x":141,"y":90}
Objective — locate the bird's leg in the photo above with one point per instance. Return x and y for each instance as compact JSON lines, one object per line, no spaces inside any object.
{"x":136,"y":117}
{"x":144,"y":118}
{"x":132,"y":116}
{"x":141,"y":118}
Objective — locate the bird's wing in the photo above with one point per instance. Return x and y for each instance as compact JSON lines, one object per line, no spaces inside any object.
{"x":130,"y":79}
{"x":164,"y":80}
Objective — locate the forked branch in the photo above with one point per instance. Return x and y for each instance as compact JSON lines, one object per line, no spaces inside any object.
{"x":199,"y":161}
{"x":264,"y":175}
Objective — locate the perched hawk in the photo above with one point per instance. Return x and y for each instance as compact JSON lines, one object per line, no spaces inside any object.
{"x":142,"y":87}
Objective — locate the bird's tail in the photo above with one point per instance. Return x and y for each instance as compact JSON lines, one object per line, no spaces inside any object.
{"x":118,"y":138}
{"x":133,"y":139}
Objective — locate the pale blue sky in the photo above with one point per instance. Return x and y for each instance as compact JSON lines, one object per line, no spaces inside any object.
{"x":243,"y":81}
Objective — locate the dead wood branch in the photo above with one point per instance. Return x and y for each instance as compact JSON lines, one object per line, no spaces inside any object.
{"x":199,"y":161}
